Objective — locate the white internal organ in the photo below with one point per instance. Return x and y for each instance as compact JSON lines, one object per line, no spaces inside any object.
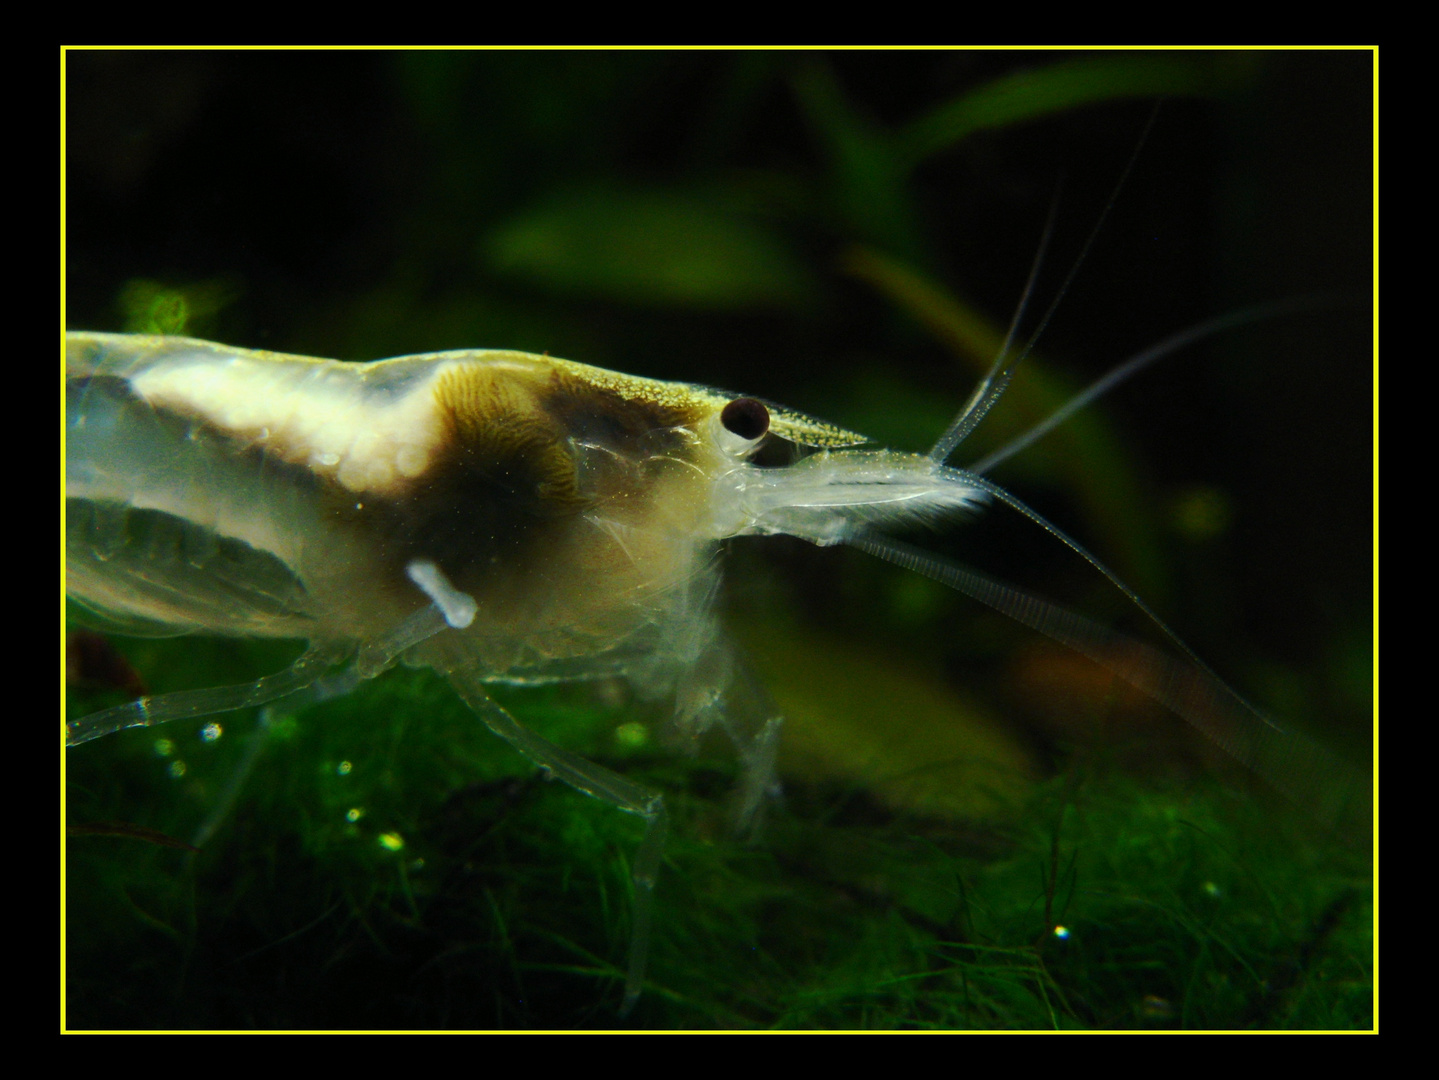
{"x":317,"y":415}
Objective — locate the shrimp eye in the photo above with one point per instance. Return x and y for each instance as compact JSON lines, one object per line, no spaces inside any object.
{"x":745,"y":417}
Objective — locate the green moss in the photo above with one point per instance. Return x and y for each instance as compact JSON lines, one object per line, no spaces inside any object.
{"x":389,"y":863}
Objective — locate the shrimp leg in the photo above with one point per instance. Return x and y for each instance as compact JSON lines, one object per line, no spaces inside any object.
{"x":592,"y":779}
{"x":304,"y":673}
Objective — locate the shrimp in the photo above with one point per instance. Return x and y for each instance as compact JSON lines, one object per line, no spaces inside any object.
{"x":502,"y":517}
{"x":310,"y":522}
{"x":499,"y":517}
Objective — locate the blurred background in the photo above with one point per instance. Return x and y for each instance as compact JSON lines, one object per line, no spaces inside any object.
{"x":845,"y":233}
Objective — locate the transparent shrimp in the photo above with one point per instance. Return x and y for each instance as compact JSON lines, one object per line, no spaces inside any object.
{"x":502,"y":517}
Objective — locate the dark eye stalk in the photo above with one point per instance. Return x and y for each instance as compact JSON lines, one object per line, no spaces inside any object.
{"x":745,"y":417}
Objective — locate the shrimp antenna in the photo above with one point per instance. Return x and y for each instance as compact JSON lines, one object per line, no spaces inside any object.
{"x":1084,"y":553}
{"x":996,"y":379}
{"x":1139,"y":362}
{"x":1301,"y":770}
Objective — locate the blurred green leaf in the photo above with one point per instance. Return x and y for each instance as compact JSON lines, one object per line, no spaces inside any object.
{"x":652,"y":247}
{"x":871,"y":165}
{"x":868,"y":184}
{"x":1030,"y":95}
{"x":859,"y":716}
{"x":151,"y":307}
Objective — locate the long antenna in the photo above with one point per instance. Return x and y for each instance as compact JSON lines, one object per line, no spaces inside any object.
{"x":1305,"y":772}
{"x":1139,"y":362}
{"x":993,"y":385}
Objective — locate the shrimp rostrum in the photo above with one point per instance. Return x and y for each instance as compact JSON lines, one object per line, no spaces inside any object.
{"x":502,"y":518}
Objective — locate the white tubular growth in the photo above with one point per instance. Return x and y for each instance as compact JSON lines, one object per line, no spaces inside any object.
{"x":459,"y":608}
